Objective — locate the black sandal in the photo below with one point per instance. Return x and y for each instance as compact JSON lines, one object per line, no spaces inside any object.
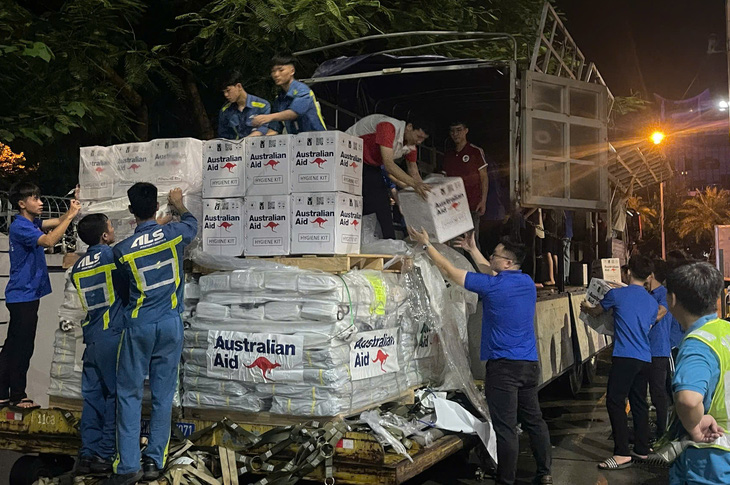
{"x":25,"y":400}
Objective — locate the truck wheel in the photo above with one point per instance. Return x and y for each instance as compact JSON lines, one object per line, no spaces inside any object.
{"x":589,"y":370}
{"x":27,"y":469}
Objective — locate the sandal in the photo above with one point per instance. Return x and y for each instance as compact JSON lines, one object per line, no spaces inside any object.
{"x":612,"y":464}
{"x":26,"y":404}
{"x":4,"y":403}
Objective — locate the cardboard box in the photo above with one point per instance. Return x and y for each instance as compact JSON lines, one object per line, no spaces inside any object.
{"x":223,"y":227}
{"x":268,"y":228}
{"x":326,"y":223}
{"x":4,"y":264}
{"x":267,"y":168}
{"x":176,"y":163}
{"x":327,"y":161}
{"x":445,"y":212}
{"x":96,"y":173}
{"x":4,"y":242}
{"x":597,"y":289}
{"x":223,"y":169}
{"x":132,"y":163}
{"x":3,"y":284}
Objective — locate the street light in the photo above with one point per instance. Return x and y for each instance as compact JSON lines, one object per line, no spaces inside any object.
{"x":722,"y":105}
{"x":657,"y":137}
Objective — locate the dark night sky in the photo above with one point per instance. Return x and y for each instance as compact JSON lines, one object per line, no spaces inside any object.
{"x":651,"y":46}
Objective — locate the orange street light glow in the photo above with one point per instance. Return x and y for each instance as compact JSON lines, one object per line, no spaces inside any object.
{"x":657,"y":137}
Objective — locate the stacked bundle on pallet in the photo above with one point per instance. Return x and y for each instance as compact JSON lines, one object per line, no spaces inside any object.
{"x":300,"y":342}
{"x":106,"y":173}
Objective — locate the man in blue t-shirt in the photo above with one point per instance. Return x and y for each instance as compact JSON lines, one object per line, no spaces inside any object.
{"x":236,"y":116}
{"x":699,"y":383}
{"x":660,"y":348}
{"x":295,"y":108}
{"x":509,"y":347}
{"x":634,"y":313}
{"x":28,"y":283}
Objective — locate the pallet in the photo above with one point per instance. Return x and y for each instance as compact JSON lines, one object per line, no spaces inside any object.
{"x":271,"y":419}
{"x":331,"y":264}
{"x":76,"y":405}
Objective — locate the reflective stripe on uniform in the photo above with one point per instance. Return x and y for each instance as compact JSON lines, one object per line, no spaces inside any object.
{"x":107,"y":286}
{"x":319,"y":111}
{"x":140,"y":279}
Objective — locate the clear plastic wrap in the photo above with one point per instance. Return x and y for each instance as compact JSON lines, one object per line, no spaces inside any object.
{"x":201,"y":400}
{"x":372,"y":418}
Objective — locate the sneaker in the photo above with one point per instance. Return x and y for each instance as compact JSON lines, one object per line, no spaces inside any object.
{"x":101,"y":465}
{"x":125,"y":479}
{"x":149,"y":467}
{"x":83,"y":465}
{"x":543,"y":480}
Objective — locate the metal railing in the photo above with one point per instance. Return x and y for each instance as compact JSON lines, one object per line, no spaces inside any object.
{"x":53,"y":207}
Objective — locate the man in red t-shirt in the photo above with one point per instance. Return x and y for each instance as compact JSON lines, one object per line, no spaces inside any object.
{"x":468,"y":162}
{"x":385,"y":140}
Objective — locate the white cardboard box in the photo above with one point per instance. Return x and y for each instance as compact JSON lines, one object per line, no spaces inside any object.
{"x":597,"y":289}
{"x":4,"y":242}
{"x":96,"y":173}
{"x":223,"y":227}
{"x":327,"y":161}
{"x":223,"y":169}
{"x":267,"y":165}
{"x":445,"y":212}
{"x":326,"y":223}
{"x":132,"y":163}
{"x":268,"y":228}
{"x":4,"y":264}
{"x":3,"y":285}
{"x":176,"y":163}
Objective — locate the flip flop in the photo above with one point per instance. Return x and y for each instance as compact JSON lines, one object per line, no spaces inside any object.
{"x":612,"y":464}
{"x":26,"y":400}
{"x":4,"y":403}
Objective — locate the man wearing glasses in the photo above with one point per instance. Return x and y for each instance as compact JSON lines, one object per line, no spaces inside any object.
{"x":509,"y":347}
{"x":468,"y":162}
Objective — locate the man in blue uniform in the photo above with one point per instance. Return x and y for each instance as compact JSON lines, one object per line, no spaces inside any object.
{"x":236,"y":116}
{"x":296,"y":107}
{"x":151,"y":260}
{"x":508,"y":345}
{"x":660,"y":348}
{"x":96,"y":278}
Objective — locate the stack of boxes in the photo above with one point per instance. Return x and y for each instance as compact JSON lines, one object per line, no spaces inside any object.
{"x":284,"y":194}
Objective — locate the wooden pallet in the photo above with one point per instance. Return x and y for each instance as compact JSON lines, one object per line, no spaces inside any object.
{"x":271,"y":419}
{"x":331,"y":264}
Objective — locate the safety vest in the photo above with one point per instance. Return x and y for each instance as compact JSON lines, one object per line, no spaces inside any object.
{"x":716,"y":335}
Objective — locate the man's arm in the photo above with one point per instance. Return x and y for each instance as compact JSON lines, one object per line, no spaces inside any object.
{"x":49,"y":240}
{"x":594,"y":311}
{"x":662,"y":312}
{"x":286,"y":115}
{"x":413,"y":172}
{"x":484,"y":178}
{"x":394,"y":170}
{"x":187,"y":221}
{"x":702,"y":428}
{"x":453,"y":273}
{"x":468,"y":244}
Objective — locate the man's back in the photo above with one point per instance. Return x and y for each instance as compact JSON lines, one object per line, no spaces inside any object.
{"x":151,"y":260}
{"x":634,"y":312}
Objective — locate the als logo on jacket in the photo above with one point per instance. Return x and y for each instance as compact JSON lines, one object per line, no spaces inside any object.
{"x":148,"y":238}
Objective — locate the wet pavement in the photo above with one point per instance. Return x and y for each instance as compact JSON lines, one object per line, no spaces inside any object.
{"x":579,"y":432}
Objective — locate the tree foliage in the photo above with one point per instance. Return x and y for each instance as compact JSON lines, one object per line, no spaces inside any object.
{"x":699,"y":215}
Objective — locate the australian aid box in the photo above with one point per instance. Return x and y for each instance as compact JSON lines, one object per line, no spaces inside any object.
{"x":267,"y":231}
{"x":96,"y":175}
{"x":223,"y":169}
{"x":223,"y":227}
{"x":325,"y":223}
{"x":267,"y":165}
{"x":445,"y":212}
{"x":326,"y":161}
{"x":132,"y":163}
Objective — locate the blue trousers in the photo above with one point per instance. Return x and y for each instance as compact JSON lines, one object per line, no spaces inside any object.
{"x":99,"y":390}
{"x":154,"y":349}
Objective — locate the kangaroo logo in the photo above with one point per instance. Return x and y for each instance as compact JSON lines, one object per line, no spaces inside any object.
{"x":175,"y":162}
{"x":455,"y":205}
{"x":381,"y":357}
{"x":355,"y":223}
{"x":272,"y":164}
{"x":230,"y":166}
{"x":225,"y":225}
{"x":354,"y":165}
{"x":134,"y":167}
{"x":272,"y":225}
{"x":319,"y":221}
{"x":265,"y":365}
{"x":319,"y":162}
{"x":99,"y":169}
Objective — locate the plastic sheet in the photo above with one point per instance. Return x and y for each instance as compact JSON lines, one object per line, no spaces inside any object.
{"x":201,"y":400}
{"x":372,"y":418}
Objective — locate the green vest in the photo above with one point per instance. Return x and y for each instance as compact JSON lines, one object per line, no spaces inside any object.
{"x":716,"y":335}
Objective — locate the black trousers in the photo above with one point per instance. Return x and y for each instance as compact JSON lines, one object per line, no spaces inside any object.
{"x":376,"y":199}
{"x":628,"y":378}
{"x":510,"y":387}
{"x":18,"y":349}
{"x":658,"y":372}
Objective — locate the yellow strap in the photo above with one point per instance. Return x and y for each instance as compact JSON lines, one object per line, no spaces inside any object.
{"x":316,"y":105}
{"x":314,"y":400}
{"x":258,"y":104}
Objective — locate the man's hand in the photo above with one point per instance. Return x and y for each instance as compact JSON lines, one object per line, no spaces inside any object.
{"x":175,"y":199}
{"x":466,"y":243}
{"x":706,"y":431}
{"x":76,"y":191}
{"x":481,"y":207}
{"x":73,"y":209}
{"x":419,"y":237}
{"x":259,"y":120}
{"x":422,"y":189}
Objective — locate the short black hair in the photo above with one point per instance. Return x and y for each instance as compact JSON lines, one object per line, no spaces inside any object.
{"x":418,"y":124}
{"x":230,"y":79}
{"x":91,"y":228}
{"x":641,"y":266}
{"x":676,"y":255}
{"x":458,"y":123}
{"x":283,"y":60}
{"x":21,"y":191}
{"x":697,"y":286}
{"x":517,"y":250}
{"x":660,"y":270}
{"x":143,"y":200}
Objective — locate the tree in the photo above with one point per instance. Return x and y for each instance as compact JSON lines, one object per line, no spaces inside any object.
{"x":699,"y":215}
{"x":647,"y":213}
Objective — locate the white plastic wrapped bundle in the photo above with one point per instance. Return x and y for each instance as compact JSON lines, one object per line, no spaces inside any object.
{"x":335,"y":376}
{"x":249,"y":312}
{"x":216,"y":386}
{"x":66,"y":363}
{"x":201,"y":400}
{"x":197,"y":336}
{"x":212,"y":310}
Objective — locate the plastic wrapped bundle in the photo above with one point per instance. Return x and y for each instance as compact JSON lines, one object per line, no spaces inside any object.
{"x":201,"y":400}
{"x":66,"y":364}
